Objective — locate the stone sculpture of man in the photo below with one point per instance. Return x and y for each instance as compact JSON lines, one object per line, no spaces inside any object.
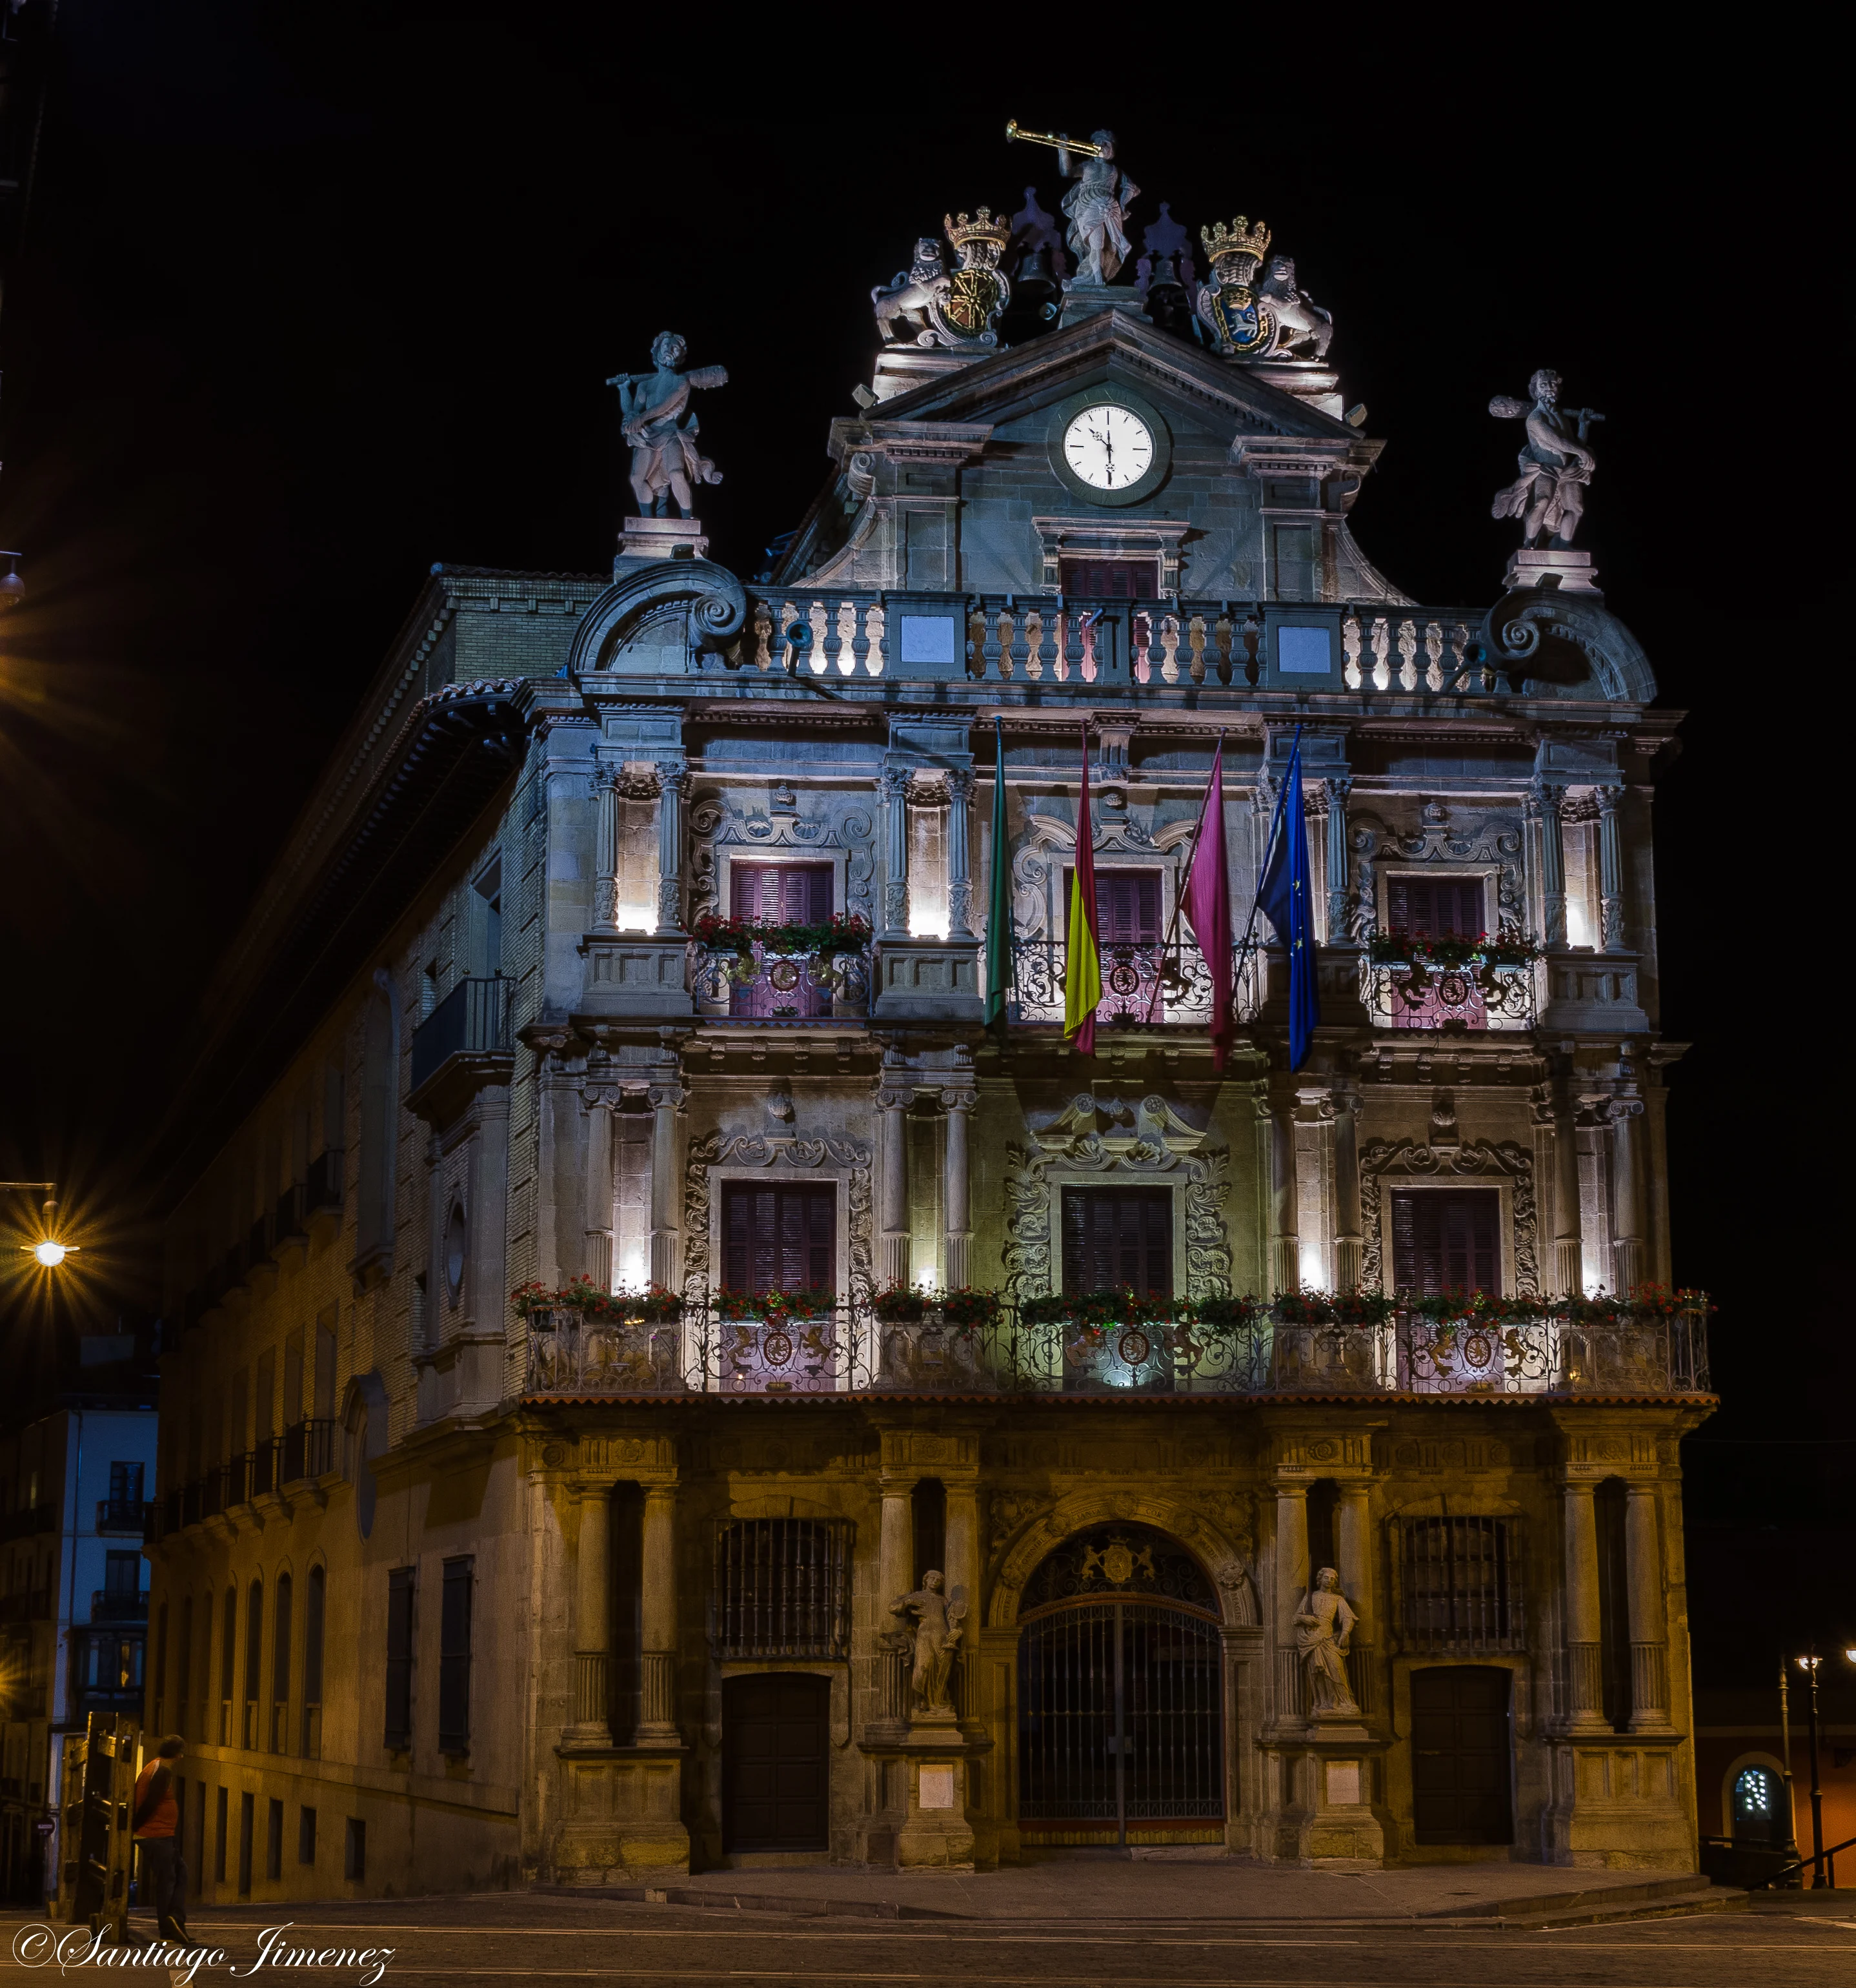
{"x":1324,"y":1627}
{"x":1549,"y":495}
{"x":665,"y":462}
{"x":1097,"y":207}
{"x":937,"y":1622}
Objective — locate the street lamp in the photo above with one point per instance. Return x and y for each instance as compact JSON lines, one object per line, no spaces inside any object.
{"x":48,"y":1252}
{"x":1819,"y":1881}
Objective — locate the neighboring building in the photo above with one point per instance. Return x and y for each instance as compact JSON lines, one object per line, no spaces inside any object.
{"x":75,"y":1484}
{"x":458,"y":1597}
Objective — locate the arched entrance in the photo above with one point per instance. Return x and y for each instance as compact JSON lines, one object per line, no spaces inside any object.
{"x":1121,"y":1694}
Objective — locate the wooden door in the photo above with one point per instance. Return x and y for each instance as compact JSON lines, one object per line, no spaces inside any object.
{"x":775,"y":1752}
{"x":1461,"y":1774}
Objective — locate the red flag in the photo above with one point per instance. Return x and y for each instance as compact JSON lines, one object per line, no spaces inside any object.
{"x":1207,"y":905}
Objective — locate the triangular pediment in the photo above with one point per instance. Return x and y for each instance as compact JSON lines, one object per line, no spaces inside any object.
{"x":1116,"y":346}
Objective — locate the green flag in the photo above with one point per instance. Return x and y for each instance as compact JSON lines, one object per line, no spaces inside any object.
{"x":998,"y":894}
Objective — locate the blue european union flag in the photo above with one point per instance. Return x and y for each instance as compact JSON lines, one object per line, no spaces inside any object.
{"x":1289,"y":903}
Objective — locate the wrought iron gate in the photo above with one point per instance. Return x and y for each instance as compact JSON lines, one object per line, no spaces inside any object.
{"x":1120,"y":1725}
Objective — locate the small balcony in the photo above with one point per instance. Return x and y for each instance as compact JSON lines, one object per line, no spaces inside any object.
{"x":119,"y":1604}
{"x":321,"y":1191}
{"x":120,"y":1515}
{"x":288,"y":1222}
{"x":1453,"y":985}
{"x":763,"y":985}
{"x":462,"y":1044}
{"x":308,"y":1449}
{"x":1140,"y":980}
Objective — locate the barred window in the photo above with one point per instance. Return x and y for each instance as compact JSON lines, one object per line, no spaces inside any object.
{"x":782,"y":1588}
{"x":1463,"y":1586}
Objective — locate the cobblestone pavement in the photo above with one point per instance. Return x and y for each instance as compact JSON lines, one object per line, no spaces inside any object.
{"x":543,"y":1940}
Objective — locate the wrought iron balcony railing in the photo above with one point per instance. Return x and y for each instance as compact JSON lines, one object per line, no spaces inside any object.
{"x":761,"y":986}
{"x":1170,"y":982}
{"x":473,"y":1019}
{"x":849,"y":1350}
{"x":1427,"y":996}
{"x":309,"y":1448}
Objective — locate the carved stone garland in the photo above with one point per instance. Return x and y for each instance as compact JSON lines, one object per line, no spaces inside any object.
{"x":754,"y":1149}
{"x":1478,"y":1158}
{"x":716,"y":823}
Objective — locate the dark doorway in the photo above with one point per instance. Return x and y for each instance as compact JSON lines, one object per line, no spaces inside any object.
{"x":1460,"y":1755}
{"x":776,"y":1749}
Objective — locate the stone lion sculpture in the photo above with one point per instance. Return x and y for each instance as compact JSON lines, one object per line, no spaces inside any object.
{"x":1300,"y":321}
{"x":908,"y":297}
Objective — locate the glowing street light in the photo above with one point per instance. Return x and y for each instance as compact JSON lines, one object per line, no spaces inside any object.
{"x":49,"y":1252}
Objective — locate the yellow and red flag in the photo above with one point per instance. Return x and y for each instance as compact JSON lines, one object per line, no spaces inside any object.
{"x":1082,"y":960}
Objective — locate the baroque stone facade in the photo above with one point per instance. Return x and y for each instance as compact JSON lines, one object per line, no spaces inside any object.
{"x":497,"y":1593}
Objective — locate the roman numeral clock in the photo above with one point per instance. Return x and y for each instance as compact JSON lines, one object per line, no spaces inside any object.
{"x":1109,"y":446}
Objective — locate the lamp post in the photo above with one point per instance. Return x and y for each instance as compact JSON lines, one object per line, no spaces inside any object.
{"x":1819,"y":1881}
{"x":48,"y":1252}
{"x":1790,"y":1845}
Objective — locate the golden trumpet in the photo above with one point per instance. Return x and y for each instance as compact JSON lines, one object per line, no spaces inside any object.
{"x":1014,"y":130}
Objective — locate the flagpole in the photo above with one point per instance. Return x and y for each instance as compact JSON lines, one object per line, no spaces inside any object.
{"x":1173,"y":923}
{"x":1262,"y":868}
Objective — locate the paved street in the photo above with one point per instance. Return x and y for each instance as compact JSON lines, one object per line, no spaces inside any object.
{"x":543,"y":1940}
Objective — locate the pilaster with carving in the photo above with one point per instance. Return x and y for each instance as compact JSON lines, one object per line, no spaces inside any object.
{"x":673,"y":789}
{"x":1610,"y":869}
{"x":960,"y":882}
{"x":894,"y":781}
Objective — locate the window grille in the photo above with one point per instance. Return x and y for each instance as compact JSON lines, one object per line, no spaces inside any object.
{"x":782,"y":1588}
{"x":1463,"y":1586}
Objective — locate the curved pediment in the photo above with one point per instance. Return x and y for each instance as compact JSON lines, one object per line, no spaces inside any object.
{"x":648,"y":622}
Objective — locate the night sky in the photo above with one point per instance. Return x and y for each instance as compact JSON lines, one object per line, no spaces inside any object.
{"x":311,"y":298}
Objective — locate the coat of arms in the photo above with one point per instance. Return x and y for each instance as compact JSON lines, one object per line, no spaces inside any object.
{"x":1240,"y":321}
{"x":976,"y":291}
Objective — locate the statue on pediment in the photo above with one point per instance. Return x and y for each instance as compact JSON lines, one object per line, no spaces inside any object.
{"x":1549,"y":495}
{"x":1097,"y":207}
{"x":665,"y":462}
{"x":1303,"y":328}
{"x":911,"y":297}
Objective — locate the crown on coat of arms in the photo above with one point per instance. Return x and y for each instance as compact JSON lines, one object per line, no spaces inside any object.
{"x":983,"y":229}
{"x":1240,"y":238}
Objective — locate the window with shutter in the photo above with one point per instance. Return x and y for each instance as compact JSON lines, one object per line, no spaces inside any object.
{"x":783,"y":894}
{"x":1445,"y":1239}
{"x":1112,"y":580}
{"x":1116,"y":1236}
{"x":780,"y":1237}
{"x":1439,"y":907}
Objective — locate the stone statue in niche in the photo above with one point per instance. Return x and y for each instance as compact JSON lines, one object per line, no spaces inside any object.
{"x":911,"y":298}
{"x":1303,"y":328}
{"x":937,"y":1623}
{"x":1549,"y":495}
{"x":1324,"y":1628}
{"x":665,"y":462}
{"x":1097,"y":207}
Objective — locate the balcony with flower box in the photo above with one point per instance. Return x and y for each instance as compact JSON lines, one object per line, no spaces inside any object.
{"x":1449,"y":982}
{"x":757,"y":970}
{"x":1164,"y":982}
{"x":1116,"y":1345}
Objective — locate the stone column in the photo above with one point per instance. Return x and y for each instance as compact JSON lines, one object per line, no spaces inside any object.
{"x":658,"y":1722}
{"x":666,"y":1217}
{"x":1544,"y":801}
{"x":592,"y":1724}
{"x":1285,"y":1244}
{"x":1353,"y":1549}
{"x":962,"y":1577}
{"x":957,"y":1213}
{"x":1292,"y":1578}
{"x":892,"y":1107}
{"x":895,"y":1577}
{"x":1337,"y":878}
{"x":598,"y":1196}
{"x":1584,"y":1684}
{"x":1649,"y":1621}
{"x":1350,"y":1235}
{"x":1569,"y":1248}
{"x":895,"y":856}
{"x":1627,"y":1235}
{"x":960,"y":882}
{"x":1610,"y":870}
{"x":605,"y":850}
{"x":672,"y":782}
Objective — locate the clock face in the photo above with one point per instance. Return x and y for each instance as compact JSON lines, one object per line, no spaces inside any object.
{"x":1109,"y":447}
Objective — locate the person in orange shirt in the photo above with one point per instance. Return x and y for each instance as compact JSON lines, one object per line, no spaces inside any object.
{"x":157,"y":1816}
